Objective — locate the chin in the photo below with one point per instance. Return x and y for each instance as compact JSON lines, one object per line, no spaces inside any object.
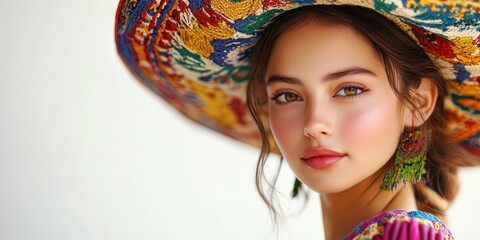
{"x":327,"y":188}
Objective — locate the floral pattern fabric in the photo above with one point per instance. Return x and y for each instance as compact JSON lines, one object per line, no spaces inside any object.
{"x":399,"y":224}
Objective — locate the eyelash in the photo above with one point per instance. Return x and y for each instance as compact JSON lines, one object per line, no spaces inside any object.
{"x":351,"y":85}
{"x":280,"y":93}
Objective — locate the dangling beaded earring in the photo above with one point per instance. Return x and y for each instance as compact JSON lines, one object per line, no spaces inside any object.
{"x":410,"y":159}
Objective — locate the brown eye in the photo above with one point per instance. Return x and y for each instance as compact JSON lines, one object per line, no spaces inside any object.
{"x":351,"y":91}
{"x":290,"y":97}
{"x":286,"y":97}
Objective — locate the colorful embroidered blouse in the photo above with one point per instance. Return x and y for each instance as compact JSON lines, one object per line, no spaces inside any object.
{"x":402,"y":225}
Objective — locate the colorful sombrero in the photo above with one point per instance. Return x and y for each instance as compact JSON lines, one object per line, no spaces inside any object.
{"x":196,"y":54}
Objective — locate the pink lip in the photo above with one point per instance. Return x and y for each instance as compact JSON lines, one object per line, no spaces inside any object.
{"x":320,"y":158}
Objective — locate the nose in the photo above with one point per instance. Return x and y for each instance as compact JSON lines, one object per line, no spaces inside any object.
{"x":319,"y":123}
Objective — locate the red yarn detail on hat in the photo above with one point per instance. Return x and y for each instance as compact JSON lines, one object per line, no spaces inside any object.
{"x":171,"y":26}
{"x":206,"y":15}
{"x":473,"y":150}
{"x":273,"y":3}
{"x":240,"y":110}
{"x":434,"y":43}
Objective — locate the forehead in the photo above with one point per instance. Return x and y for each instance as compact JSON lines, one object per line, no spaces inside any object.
{"x":324,"y":47}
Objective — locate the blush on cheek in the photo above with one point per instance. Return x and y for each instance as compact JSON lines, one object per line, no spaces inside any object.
{"x":285,"y":126}
{"x":280,"y":127}
{"x":371,"y":126}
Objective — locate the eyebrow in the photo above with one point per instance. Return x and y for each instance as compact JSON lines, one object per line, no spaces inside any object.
{"x":328,"y":77}
{"x":348,"y":72}
{"x":275,"y":78}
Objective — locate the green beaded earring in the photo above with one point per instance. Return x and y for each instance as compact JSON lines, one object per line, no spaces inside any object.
{"x":410,"y":159}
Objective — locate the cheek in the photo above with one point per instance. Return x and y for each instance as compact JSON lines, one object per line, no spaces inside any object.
{"x":373,"y":126}
{"x":285,"y":126}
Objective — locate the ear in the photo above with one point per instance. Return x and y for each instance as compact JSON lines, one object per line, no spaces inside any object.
{"x":424,"y":98}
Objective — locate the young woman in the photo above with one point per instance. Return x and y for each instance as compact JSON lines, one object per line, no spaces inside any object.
{"x":353,"y":101}
{"x":353,"y":96}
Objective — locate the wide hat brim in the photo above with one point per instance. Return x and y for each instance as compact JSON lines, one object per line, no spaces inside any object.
{"x":196,"y":54}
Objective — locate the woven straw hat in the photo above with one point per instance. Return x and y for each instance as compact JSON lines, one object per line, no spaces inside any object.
{"x":196,"y":54}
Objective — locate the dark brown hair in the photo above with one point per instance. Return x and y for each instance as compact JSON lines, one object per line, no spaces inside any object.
{"x":406,"y":64}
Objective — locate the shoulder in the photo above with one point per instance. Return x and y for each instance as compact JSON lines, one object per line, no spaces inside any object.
{"x":399,"y":224}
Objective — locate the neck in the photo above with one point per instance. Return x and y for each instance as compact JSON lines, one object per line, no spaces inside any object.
{"x":343,"y":211}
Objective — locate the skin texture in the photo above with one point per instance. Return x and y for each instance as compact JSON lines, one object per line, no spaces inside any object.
{"x":357,"y":114}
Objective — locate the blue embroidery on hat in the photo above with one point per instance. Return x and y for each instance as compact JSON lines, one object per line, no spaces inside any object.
{"x":461,"y":73}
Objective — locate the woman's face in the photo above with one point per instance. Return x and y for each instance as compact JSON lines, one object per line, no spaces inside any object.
{"x":332,"y":111}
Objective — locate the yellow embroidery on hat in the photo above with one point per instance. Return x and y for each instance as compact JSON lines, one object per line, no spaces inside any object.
{"x":214,"y":103}
{"x":466,"y":133}
{"x":459,"y":7}
{"x":463,"y":89}
{"x":235,"y":10}
{"x":466,"y":51}
{"x":470,"y":103}
{"x":198,"y":38}
{"x":144,"y":62}
{"x":457,"y":120}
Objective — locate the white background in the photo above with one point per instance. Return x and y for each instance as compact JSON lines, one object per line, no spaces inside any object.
{"x":86,"y":152}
